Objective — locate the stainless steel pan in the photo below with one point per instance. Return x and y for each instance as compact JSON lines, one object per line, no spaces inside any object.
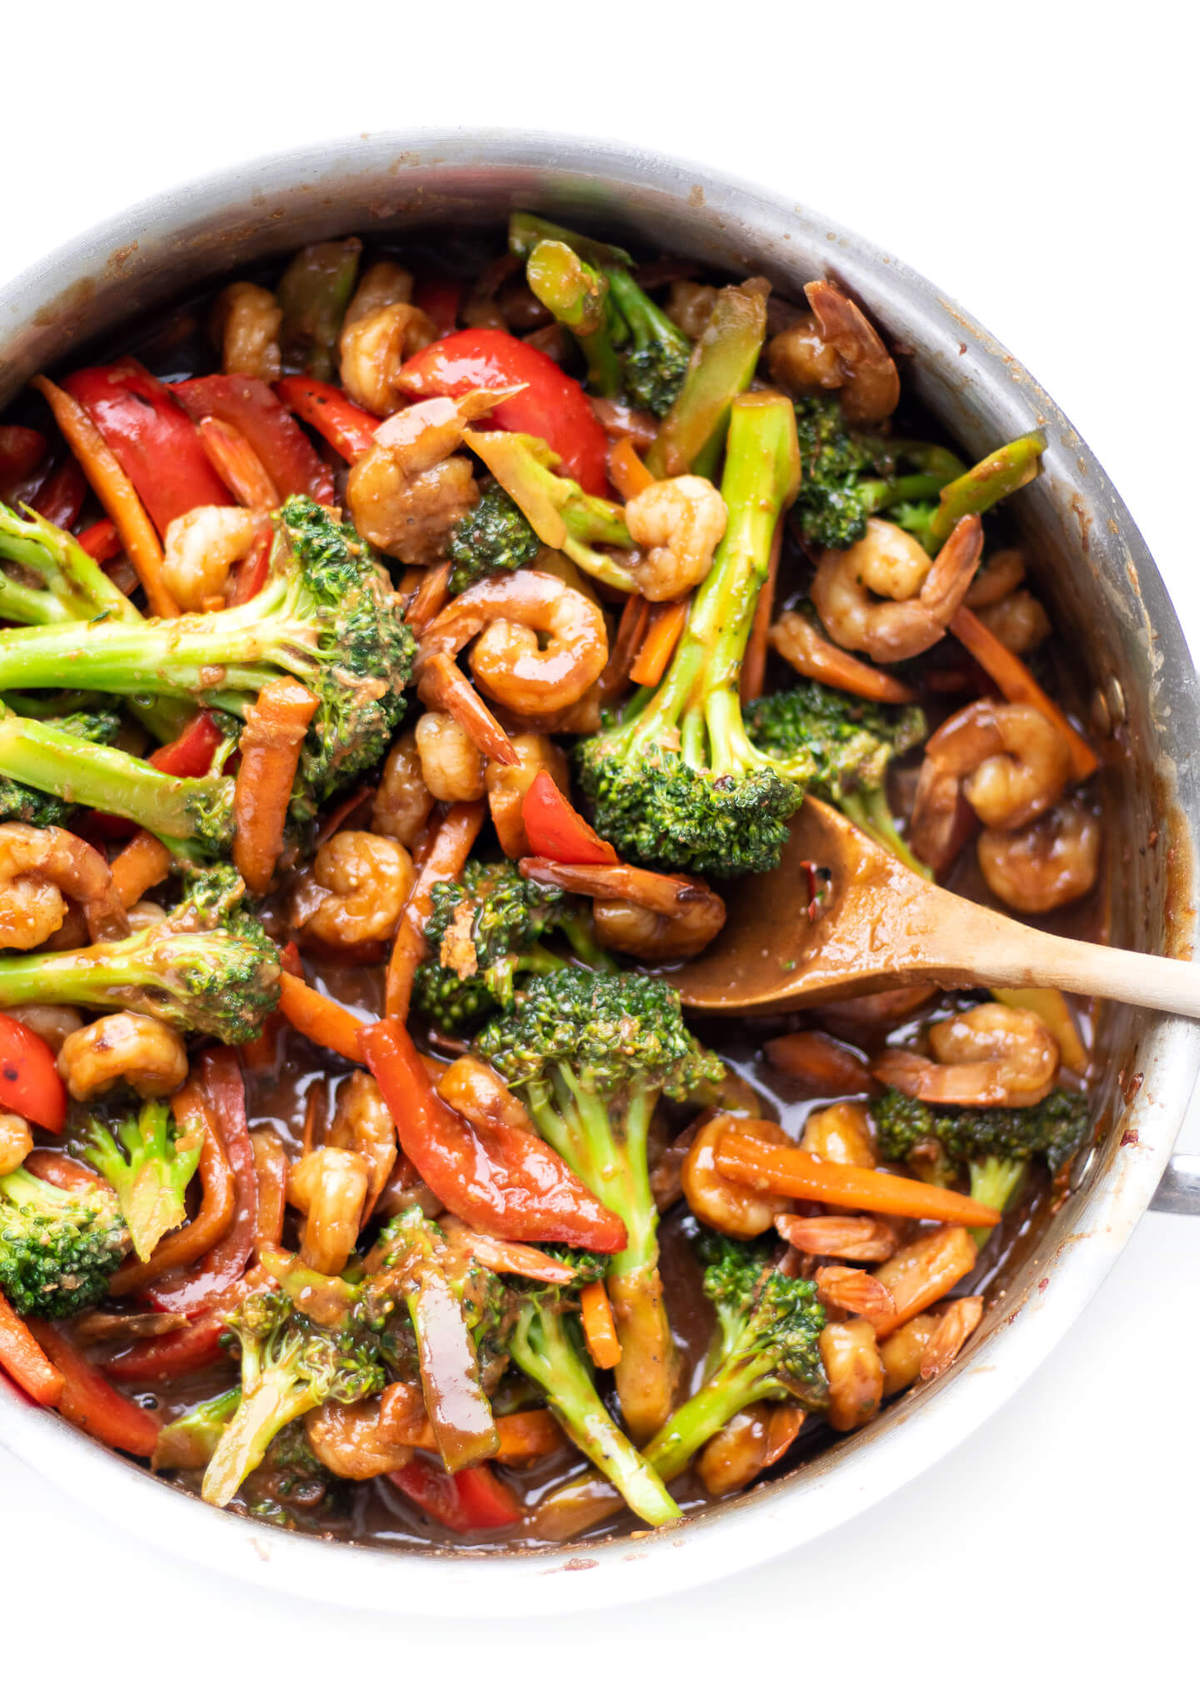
{"x":1106,"y":594}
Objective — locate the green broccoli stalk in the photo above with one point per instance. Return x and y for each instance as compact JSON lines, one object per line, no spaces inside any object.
{"x":221,"y":980}
{"x":21,"y":804}
{"x":992,"y":1145}
{"x":149,"y":1165}
{"x":190,"y":1440}
{"x":722,"y":365}
{"x":676,"y":780}
{"x":996,"y":477}
{"x":290,"y":1365}
{"x":194,"y":816}
{"x":314,"y":294}
{"x":851,"y":742}
{"x":629,"y":343}
{"x":492,"y":538}
{"x":544,"y":1341}
{"x":767,"y":1348}
{"x":559,"y":511}
{"x":328,"y":616}
{"x":591,"y":1055}
{"x":58,"y":1248}
{"x":57,"y":580}
{"x":485,"y":934}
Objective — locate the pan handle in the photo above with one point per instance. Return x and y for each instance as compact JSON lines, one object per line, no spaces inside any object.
{"x":1179,"y":1190}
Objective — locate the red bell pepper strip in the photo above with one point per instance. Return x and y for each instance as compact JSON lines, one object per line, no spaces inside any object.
{"x":512,"y":1185}
{"x":471,"y":1499}
{"x":21,"y":449}
{"x":251,"y":407}
{"x":101,"y":541}
{"x":192,"y":1290}
{"x":441,"y":299}
{"x":92,"y":1403}
{"x":29,"y":1080}
{"x":192,"y":752}
{"x":552,"y":406}
{"x":196,"y":1345}
{"x":151,"y":437}
{"x":23,"y":1359}
{"x":556,"y":830}
{"x":54,"y":1167}
{"x":348,"y":428}
{"x":61,"y":495}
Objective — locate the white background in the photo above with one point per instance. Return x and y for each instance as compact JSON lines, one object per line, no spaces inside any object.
{"x":1039,"y":163}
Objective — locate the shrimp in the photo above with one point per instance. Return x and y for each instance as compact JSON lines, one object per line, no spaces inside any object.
{"x":507,"y":785}
{"x":1019,"y":621}
{"x":991,"y":1056}
{"x":452,"y":766}
{"x":926,"y":1270}
{"x":355,"y":1440}
{"x":402,"y":802}
{"x":355,"y":892}
{"x":738,"y":1210}
{"x":123,"y":1047}
{"x":998,"y":577}
{"x":201,"y":547}
{"x":840,"y":1133}
{"x":409,"y":489}
{"x":885,"y":597}
{"x":955,"y":1325}
{"x":639,"y":912}
{"x":679,"y":523}
{"x":245,"y":327}
{"x":855,"y":1373}
{"x":509,"y":613}
{"x":329,"y":1186}
{"x":848,"y":1237}
{"x":756,"y":1437}
{"x":40,"y":870}
{"x":837,"y":348}
{"x":928,"y":1344}
{"x":690,"y":306}
{"x":1009,"y":760}
{"x":1051,"y":862}
{"x":374,"y":345}
{"x":362,"y":1124}
{"x":856,"y":1292}
{"x":381,"y":285}
{"x":16,"y":1142}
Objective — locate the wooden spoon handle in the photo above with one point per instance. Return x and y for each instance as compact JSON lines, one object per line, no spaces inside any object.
{"x":999,"y":952}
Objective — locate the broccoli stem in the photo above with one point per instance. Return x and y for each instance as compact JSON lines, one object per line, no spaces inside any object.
{"x":74,"y":587}
{"x":995,"y":1180}
{"x":704,"y":1414}
{"x":544,"y":1350}
{"x":194,"y":816}
{"x":998,"y":476}
{"x":314,"y":294}
{"x":190,"y":1440}
{"x":868,"y":809}
{"x":575,"y":293}
{"x":722,"y":365}
{"x":277,"y":1398}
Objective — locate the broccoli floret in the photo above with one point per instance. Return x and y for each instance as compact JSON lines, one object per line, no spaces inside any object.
{"x":58,"y":1248}
{"x":676,"y":781}
{"x":653,"y":352}
{"x":485,"y":931}
{"x":767,"y":1347}
{"x":591,"y":1055}
{"x":993,"y":1145}
{"x":328,"y":616}
{"x":851,"y":742}
{"x":492,"y":538}
{"x":557,"y":509}
{"x":21,"y":804}
{"x":52,"y":761}
{"x":289,"y":1365}
{"x":150,"y":1165}
{"x":220,"y":981}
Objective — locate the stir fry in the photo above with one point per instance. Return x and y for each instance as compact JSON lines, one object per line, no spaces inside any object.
{"x":405,"y":655}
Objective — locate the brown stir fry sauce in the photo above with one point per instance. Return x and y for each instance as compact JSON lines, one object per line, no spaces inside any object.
{"x":878,"y":576}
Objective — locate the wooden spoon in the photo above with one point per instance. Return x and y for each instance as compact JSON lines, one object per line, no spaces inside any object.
{"x":877,"y":925}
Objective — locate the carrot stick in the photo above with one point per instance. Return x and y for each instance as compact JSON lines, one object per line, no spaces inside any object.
{"x":428,"y":599}
{"x":115,"y":491}
{"x":182,"y":1248}
{"x":141,"y":864}
{"x":811,"y":654}
{"x":1018,"y":685}
{"x":528,"y":1434}
{"x":443,"y":862}
{"x":794,"y":1172}
{"x":754,"y":660}
{"x":24,"y":1361}
{"x":627,"y":471}
{"x":63,"y":1172}
{"x":92,"y":1403}
{"x":276,"y":724}
{"x":324,"y":1021}
{"x":443,"y":686}
{"x":599,"y":1327}
{"x":631,"y":627}
{"x":661,"y":636}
